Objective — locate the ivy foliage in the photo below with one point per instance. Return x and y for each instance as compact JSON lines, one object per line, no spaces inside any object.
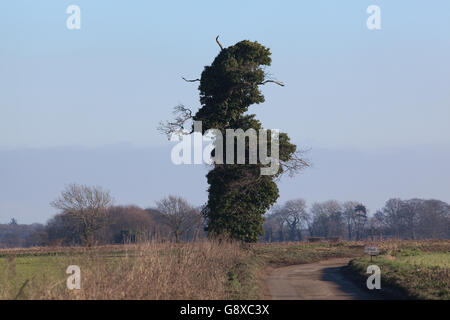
{"x":238,"y":194}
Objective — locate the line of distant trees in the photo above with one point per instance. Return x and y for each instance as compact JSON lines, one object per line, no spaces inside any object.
{"x":88,"y":217}
{"x":400,"y":219}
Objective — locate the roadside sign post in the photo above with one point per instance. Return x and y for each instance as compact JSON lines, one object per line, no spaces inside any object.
{"x":372,"y":251}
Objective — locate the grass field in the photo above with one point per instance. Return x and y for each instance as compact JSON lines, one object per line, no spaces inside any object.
{"x":148,"y":271}
{"x":419,"y":272}
{"x":201,"y":270}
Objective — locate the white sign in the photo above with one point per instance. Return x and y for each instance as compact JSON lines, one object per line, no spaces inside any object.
{"x":373,"y":251}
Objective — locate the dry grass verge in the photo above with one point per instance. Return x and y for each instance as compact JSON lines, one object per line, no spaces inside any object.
{"x":149,"y":271}
{"x":200,"y":270}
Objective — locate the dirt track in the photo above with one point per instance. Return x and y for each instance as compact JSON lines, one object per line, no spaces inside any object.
{"x":316,"y":281}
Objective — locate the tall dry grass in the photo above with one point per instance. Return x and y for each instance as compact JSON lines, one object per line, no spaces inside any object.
{"x":200,"y":270}
{"x":197,"y":270}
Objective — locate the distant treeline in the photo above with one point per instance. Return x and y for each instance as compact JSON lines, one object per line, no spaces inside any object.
{"x":400,"y":219}
{"x":122,"y":224}
{"x":88,"y":218}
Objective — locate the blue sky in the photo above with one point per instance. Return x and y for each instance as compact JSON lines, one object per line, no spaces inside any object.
{"x":348,"y":89}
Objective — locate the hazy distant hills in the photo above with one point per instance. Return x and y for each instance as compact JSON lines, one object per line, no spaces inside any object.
{"x":31,"y":178}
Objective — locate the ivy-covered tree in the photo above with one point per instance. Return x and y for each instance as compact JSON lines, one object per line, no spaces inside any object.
{"x":239,"y":194}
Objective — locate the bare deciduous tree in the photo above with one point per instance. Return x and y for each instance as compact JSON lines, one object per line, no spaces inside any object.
{"x":287,"y":221}
{"x":349,"y":216}
{"x":87,"y":206}
{"x":128,"y":224}
{"x":414,"y":219}
{"x":296,"y":217}
{"x":275,"y":224}
{"x":360,"y":220}
{"x":328,"y":220}
{"x":179,"y":215}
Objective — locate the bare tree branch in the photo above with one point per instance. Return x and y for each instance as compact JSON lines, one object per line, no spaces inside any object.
{"x":272,"y":81}
{"x":194,"y":80}
{"x":182,"y":115}
{"x":220,"y":45}
{"x":268,"y":76}
{"x":295,"y":164}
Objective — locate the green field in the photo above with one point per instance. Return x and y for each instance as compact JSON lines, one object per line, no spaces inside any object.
{"x":416,"y":273}
{"x":426,"y":260}
{"x":47,"y":270}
